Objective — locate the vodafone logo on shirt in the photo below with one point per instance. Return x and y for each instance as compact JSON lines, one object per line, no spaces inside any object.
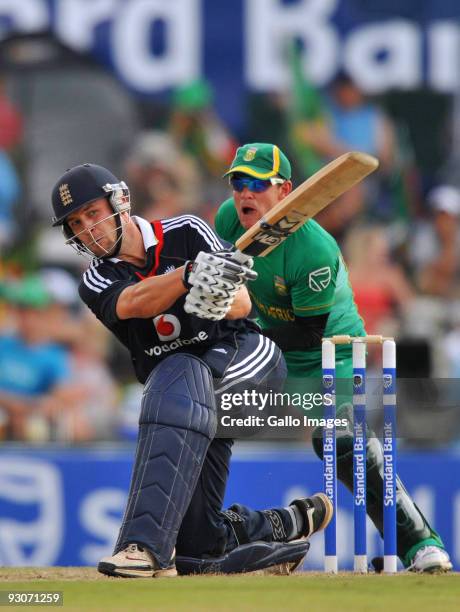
{"x":167,"y":327}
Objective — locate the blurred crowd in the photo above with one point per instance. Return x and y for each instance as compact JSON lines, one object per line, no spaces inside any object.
{"x":63,"y":379}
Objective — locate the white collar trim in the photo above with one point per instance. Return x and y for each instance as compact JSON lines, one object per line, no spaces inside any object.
{"x":148,"y":235}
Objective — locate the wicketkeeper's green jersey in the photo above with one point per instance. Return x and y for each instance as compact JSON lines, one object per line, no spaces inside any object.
{"x":304,"y":276}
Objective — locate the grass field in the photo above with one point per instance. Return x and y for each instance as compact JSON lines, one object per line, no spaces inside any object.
{"x":85,"y":589}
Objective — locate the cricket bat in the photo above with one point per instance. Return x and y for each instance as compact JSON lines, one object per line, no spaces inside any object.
{"x":305,"y":202}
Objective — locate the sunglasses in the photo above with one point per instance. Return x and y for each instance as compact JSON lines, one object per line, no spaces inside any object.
{"x":254,"y":184}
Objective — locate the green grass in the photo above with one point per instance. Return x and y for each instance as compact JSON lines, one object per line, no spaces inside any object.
{"x":309,"y":591}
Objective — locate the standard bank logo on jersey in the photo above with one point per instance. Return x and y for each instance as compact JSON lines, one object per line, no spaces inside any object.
{"x":319,"y":279}
{"x":167,"y":327}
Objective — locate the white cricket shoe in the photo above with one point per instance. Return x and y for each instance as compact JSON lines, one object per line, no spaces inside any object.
{"x":135,"y":562}
{"x":431,"y":559}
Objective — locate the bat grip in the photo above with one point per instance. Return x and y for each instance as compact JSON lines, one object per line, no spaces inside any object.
{"x":239,"y":256}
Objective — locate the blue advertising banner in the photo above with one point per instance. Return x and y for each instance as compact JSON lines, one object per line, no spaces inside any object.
{"x":64,"y":507}
{"x":152,"y":46}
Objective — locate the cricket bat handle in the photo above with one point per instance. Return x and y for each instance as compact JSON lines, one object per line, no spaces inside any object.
{"x":242,"y":259}
{"x":239,"y":256}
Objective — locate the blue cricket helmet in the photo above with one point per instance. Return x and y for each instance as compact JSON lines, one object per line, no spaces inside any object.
{"x":83,"y":184}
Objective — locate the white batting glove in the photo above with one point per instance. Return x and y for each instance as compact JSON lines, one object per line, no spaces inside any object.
{"x":220,"y":270}
{"x":213,"y":280}
{"x":207,"y":307}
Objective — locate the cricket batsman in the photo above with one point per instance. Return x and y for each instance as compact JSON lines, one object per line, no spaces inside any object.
{"x":302,"y":294}
{"x":172,"y":294}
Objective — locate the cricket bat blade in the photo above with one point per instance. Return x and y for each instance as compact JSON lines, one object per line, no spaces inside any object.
{"x":305,"y":202}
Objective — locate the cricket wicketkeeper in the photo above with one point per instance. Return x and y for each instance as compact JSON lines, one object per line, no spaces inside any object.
{"x":302,"y":293}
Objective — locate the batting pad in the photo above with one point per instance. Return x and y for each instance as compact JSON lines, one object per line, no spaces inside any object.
{"x":247,"y":558}
{"x":177,"y":423}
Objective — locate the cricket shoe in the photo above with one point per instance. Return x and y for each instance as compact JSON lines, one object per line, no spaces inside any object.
{"x":316,"y":511}
{"x":135,"y":562}
{"x":430,"y":560}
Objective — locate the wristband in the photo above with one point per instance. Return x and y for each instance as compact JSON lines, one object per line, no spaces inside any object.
{"x":188,"y":269}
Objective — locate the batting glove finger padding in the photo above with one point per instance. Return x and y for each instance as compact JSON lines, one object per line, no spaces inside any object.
{"x":196,"y":273}
{"x":222,"y":301}
{"x":220,"y":274}
{"x":207,"y":305}
{"x":214,"y":285}
{"x":221,"y":265}
{"x":215,"y":310}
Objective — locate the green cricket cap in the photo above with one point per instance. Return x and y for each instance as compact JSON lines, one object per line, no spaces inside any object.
{"x":28,"y":292}
{"x":261,"y":160}
{"x":193,"y":96}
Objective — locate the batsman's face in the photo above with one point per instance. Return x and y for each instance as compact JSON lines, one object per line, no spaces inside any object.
{"x":95,"y":227}
{"x":252,"y":206}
